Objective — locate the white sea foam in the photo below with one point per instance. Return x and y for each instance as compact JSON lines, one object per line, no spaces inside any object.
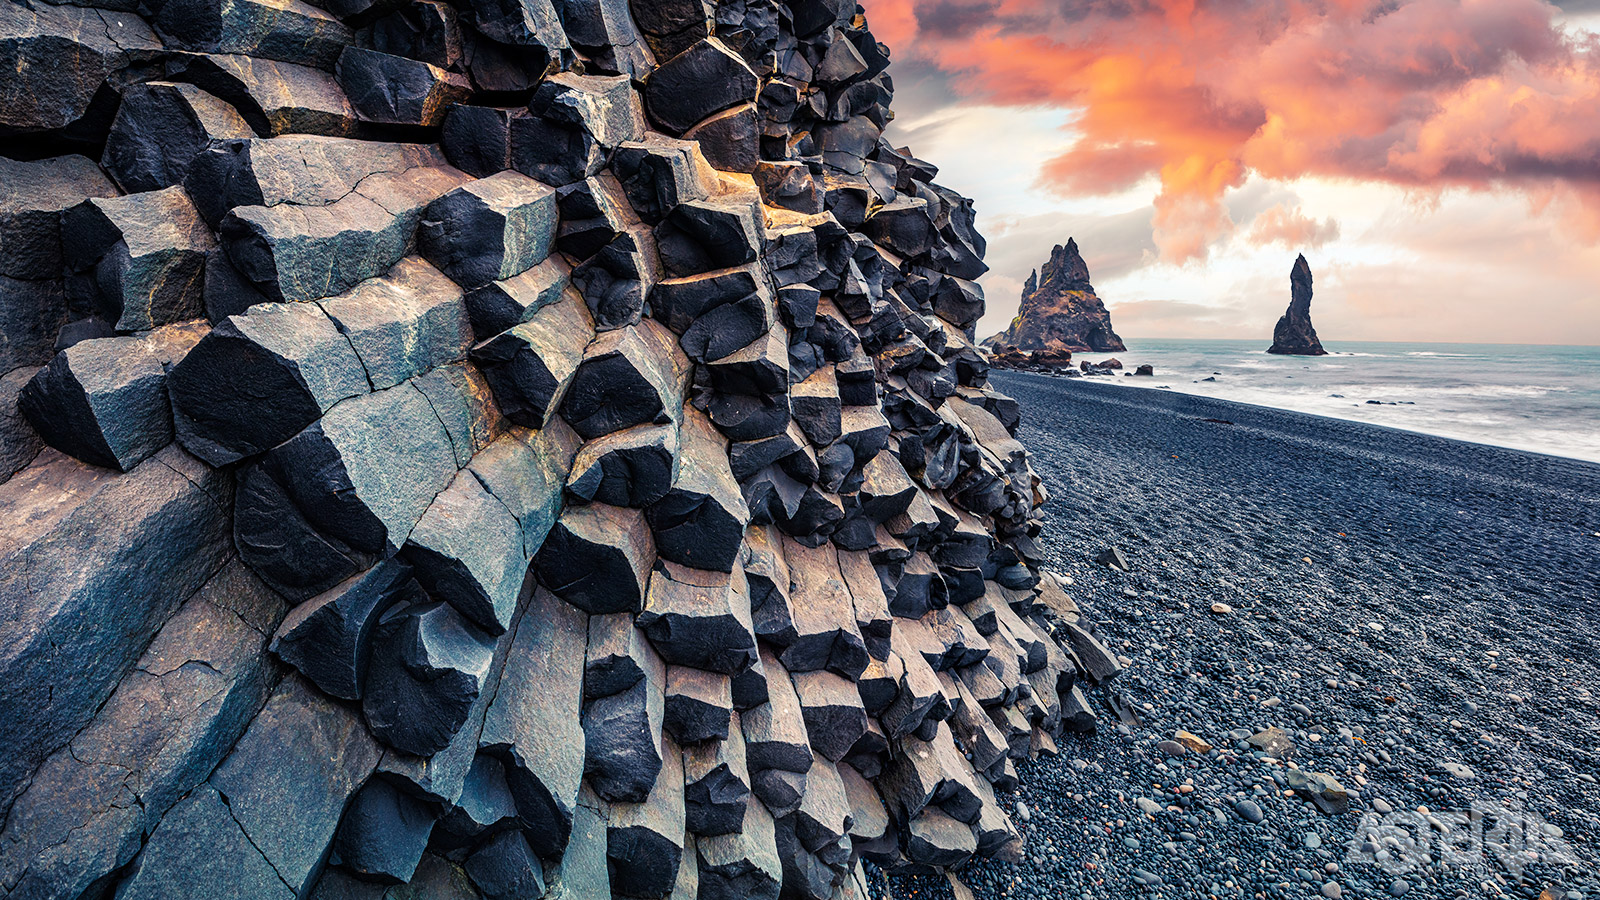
{"x":1544,"y":399}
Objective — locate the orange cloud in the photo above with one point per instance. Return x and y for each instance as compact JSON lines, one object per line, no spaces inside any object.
{"x":1428,"y":94}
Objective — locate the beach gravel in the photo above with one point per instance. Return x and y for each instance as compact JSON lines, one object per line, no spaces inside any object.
{"x":1417,"y":616}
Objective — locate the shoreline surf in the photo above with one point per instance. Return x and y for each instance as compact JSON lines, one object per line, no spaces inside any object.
{"x":1537,"y":399}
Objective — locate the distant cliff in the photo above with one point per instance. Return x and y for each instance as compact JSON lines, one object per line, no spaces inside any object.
{"x":1294,"y":335}
{"x":1059,"y":305}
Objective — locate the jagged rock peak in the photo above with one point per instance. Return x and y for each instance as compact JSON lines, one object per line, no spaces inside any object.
{"x":1300,"y":281}
{"x":1294,"y":335}
{"x":1066,"y":269}
{"x":1059,"y":309}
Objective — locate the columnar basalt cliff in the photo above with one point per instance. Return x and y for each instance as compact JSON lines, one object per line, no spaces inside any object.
{"x":1060,"y":310}
{"x":509,"y":450}
{"x":1294,"y":335}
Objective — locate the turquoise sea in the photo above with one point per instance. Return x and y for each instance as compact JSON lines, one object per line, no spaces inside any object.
{"x":1540,"y":398}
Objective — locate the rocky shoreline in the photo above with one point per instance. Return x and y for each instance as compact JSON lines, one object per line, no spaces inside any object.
{"x":1058,"y":361}
{"x":1414,"y":613}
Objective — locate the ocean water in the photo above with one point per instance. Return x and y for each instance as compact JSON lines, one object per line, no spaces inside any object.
{"x":1540,"y":398}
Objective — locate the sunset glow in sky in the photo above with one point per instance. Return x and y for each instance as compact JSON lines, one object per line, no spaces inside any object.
{"x":1438,"y":161}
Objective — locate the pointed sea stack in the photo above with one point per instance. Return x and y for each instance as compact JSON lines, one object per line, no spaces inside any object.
{"x":1059,"y":309}
{"x":1294,"y":335}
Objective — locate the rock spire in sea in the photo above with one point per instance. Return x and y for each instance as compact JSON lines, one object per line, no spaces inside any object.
{"x":1294,"y":334}
{"x":1060,"y":310}
{"x":513,"y":449}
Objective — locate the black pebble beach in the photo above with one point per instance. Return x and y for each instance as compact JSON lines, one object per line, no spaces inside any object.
{"x":1420,"y":616}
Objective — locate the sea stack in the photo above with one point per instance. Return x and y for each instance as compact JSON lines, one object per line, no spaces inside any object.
{"x":1060,"y":309}
{"x":1294,"y":335}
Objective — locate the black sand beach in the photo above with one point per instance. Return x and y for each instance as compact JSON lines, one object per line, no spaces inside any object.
{"x":1421,"y":616}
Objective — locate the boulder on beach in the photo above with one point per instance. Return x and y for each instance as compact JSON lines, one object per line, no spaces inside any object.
{"x":1294,"y":335}
{"x":1054,"y":358}
{"x":1104,"y":367}
{"x":1112,"y":557}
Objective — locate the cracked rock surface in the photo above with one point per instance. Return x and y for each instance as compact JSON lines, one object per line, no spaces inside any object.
{"x":480,"y":449}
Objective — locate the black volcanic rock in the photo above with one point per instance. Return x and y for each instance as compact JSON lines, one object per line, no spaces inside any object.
{"x":1294,"y":335}
{"x":617,"y":476}
{"x":1060,"y":310}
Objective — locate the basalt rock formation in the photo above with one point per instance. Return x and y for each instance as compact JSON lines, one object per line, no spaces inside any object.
{"x":467,"y":449}
{"x":1294,"y":335}
{"x":1060,"y":310}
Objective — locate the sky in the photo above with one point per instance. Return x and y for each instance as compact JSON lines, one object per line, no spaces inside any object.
{"x":1437,"y":161}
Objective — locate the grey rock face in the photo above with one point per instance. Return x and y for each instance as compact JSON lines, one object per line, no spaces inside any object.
{"x":290,"y":776}
{"x":505,"y":868}
{"x":292,"y":33}
{"x":19,"y":443}
{"x":491,"y":229}
{"x":534,"y":721}
{"x":402,"y":324}
{"x":467,"y":550}
{"x":33,"y":196}
{"x":531,"y":365}
{"x":297,"y":253}
{"x":598,"y":558}
{"x":509,"y":302}
{"x":101,"y":401}
{"x":607,"y":500}
{"x":142,"y":256}
{"x":716,"y":784}
{"x":623,"y":733}
{"x":63,"y":56}
{"x":163,"y":729}
{"x":383,"y":833}
{"x":428,"y":666}
{"x":64,"y":578}
{"x":260,"y":377}
{"x":703,"y":79}
{"x":275,"y":98}
{"x":699,"y":618}
{"x":201,"y":835}
{"x":394,"y":90}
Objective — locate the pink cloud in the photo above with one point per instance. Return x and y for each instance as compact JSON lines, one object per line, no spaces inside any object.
{"x":1294,"y":229}
{"x":1427,"y":94}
